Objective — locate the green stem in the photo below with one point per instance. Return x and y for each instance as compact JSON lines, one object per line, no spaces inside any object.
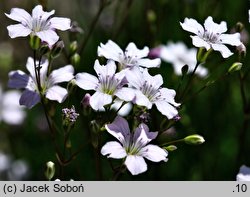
{"x":172,"y":142}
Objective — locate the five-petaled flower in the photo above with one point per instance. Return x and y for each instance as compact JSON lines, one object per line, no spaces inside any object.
{"x":107,"y":85}
{"x":130,"y":58}
{"x":212,"y":35}
{"x":39,"y":24}
{"x":148,"y":91}
{"x":49,"y":88}
{"x":134,"y":146}
{"x":179,"y":55}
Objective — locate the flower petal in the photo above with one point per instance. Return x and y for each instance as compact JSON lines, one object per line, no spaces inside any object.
{"x":154,"y":153}
{"x":98,"y":100}
{"x":135,"y":78}
{"x":56,"y":93}
{"x":135,"y":164}
{"x":18,"y":30}
{"x":225,"y":52}
{"x":123,"y":110}
{"x":142,"y":136}
{"x":149,"y":63}
{"x":142,"y":100}
{"x":105,"y":70}
{"x":192,"y":26}
{"x":232,"y":39}
{"x":166,"y":109}
{"x":168,"y":95}
{"x":210,"y":25}
{"x":63,"y":74}
{"x":18,"y":79}
{"x":126,"y":94}
{"x":113,"y":150}
{"x":86,"y":81}
{"x":29,"y":98}
{"x":156,"y":81}
{"x":198,"y":42}
{"x":38,"y":12}
{"x":244,"y":174}
{"x":49,"y":36}
{"x":20,"y":15}
{"x":110,"y":51}
{"x":119,"y":129}
{"x":60,"y":23}
{"x":133,"y":51}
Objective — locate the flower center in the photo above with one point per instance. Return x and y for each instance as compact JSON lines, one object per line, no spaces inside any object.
{"x":38,"y":24}
{"x":108,"y":84}
{"x":149,"y":91}
{"x":210,"y":36}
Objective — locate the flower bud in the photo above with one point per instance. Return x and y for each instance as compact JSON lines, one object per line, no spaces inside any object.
{"x":95,"y":128}
{"x":57,"y":49}
{"x":194,"y":139}
{"x":73,"y":47}
{"x":235,"y":67}
{"x":151,"y":16}
{"x":75,"y":59}
{"x":85,"y":104}
{"x":184,"y":69}
{"x":171,"y":148}
{"x":50,"y":170}
{"x":44,"y":49}
{"x":34,"y":42}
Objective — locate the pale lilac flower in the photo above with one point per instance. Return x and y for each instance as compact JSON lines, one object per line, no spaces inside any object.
{"x":149,"y":92}
{"x":130,"y":58}
{"x":10,"y":110}
{"x":134,"y":146}
{"x":212,"y":35}
{"x":244,"y":174}
{"x":40,"y":23}
{"x":121,"y":110}
{"x":49,"y":88}
{"x":107,"y":85}
{"x":179,"y":55}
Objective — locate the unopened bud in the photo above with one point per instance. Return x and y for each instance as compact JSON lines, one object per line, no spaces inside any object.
{"x":73,"y":47}
{"x":95,"y":128}
{"x":44,"y":49}
{"x":184,"y":70}
{"x":194,"y":139}
{"x":235,"y":67}
{"x":57,"y":49}
{"x":50,"y":170}
{"x":34,"y":42}
{"x":171,"y":148}
{"x":75,"y":59}
{"x":151,"y":16}
{"x":239,"y":27}
{"x":242,"y":50}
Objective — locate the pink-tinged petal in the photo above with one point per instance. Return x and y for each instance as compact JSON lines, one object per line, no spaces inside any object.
{"x":63,"y":74}
{"x":105,"y":70}
{"x":98,"y":100}
{"x":113,"y":150}
{"x":166,"y":109}
{"x":225,"y":52}
{"x":142,"y":100}
{"x":154,"y":153}
{"x":135,"y":78}
{"x":142,"y":136}
{"x":133,"y":51}
{"x":119,"y":129}
{"x":135,"y":164}
{"x":110,"y":50}
{"x":149,"y":63}
{"x":86,"y":81}
{"x":192,"y":26}
{"x":126,"y":94}
{"x":18,"y":79}
{"x":18,"y":30}
{"x":29,"y":98}
{"x":231,"y":39}
{"x":48,"y":36}
{"x":12,"y":112}
{"x":244,"y":174}
{"x":19,"y":15}
{"x":38,"y":12}
{"x":198,"y":42}
{"x":156,"y":81}
{"x":210,"y":25}
{"x":168,"y":96}
{"x":60,"y":23}
{"x":56,"y":93}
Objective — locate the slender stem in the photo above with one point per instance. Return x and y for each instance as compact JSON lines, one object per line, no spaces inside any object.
{"x":92,"y":27}
{"x":172,"y":142}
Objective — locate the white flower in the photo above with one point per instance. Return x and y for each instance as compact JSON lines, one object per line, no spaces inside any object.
{"x":39,"y":24}
{"x":10,"y":110}
{"x":134,"y":146}
{"x":179,"y":55}
{"x":130,"y":58}
{"x":49,"y":88}
{"x":107,"y":85}
{"x":244,"y":174}
{"x":149,"y":92}
{"x":212,"y":35}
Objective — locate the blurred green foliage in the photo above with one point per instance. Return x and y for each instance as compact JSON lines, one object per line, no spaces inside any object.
{"x":217,"y":113}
